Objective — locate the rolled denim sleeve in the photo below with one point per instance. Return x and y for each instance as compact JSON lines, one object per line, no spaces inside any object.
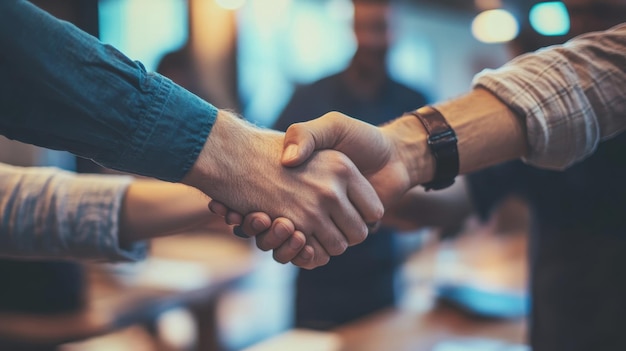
{"x":572,"y":96}
{"x":63,"y":89}
{"x":49,"y":213}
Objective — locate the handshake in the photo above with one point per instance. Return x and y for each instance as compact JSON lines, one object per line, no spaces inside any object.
{"x":325,"y":183}
{"x":319,"y":188}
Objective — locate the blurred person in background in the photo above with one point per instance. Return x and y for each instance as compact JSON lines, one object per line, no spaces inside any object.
{"x":578,"y":236}
{"x":338,"y":293}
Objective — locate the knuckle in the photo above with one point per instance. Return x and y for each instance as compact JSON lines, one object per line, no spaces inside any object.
{"x":332,"y":115}
{"x":338,"y":247}
{"x":295,"y":128}
{"x":375,"y":214}
{"x":360,"y":235}
{"x":321,"y":261}
{"x":340,"y":163}
{"x":327,"y":192}
{"x":305,"y":264}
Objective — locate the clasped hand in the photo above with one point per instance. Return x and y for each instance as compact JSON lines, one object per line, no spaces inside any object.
{"x":380,"y":155}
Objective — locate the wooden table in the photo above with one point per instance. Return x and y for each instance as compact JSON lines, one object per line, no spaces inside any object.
{"x":401,"y":330}
{"x":113,"y":303}
{"x":423,"y":326}
{"x":397,"y":330}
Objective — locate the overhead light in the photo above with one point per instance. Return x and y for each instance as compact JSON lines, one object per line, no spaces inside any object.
{"x":495,"y":26}
{"x":550,"y":18}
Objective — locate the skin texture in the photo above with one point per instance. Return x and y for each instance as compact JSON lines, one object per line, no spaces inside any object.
{"x":325,"y":197}
{"x":398,"y":157}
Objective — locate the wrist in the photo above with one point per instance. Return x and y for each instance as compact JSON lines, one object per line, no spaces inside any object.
{"x":217,"y":162}
{"x":234,"y":150}
{"x":411,"y":143}
{"x":442,"y":143}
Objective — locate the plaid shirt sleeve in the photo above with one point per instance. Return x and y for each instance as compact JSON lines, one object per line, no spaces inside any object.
{"x":50,"y":213}
{"x":572,"y":96}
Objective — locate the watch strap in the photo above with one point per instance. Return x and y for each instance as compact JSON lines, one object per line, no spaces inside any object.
{"x":442,"y":142}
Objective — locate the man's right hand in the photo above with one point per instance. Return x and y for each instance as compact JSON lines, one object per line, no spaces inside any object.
{"x":325,"y":196}
{"x":393,"y":158}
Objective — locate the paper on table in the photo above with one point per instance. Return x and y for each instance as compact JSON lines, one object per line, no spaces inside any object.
{"x":478,"y":344}
{"x":301,"y":340}
{"x":166,"y":274}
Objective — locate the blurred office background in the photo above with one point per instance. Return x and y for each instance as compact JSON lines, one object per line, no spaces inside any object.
{"x":250,"y":55}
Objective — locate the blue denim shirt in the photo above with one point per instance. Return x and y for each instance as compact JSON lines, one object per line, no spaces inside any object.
{"x":63,"y":89}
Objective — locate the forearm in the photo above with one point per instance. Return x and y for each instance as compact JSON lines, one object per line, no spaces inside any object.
{"x":571,"y":97}
{"x":49,"y":213}
{"x":153,"y":208}
{"x":488,"y":132}
{"x":235,"y":151}
{"x":550,"y":108}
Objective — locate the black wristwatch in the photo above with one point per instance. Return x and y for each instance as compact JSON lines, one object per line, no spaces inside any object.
{"x":442,"y":142}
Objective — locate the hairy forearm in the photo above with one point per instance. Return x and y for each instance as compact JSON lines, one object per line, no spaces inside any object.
{"x":153,"y":208}
{"x":234,"y":149}
{"x":488,"y":133}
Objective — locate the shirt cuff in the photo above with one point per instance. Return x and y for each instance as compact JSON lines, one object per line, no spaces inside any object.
{"x":93,"y":210}
{"x":561,"y":127}
{"x":172,"y":132}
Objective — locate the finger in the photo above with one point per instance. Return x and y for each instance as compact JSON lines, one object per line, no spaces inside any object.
{"x":352,"y":206}
{"x":330,"y":237}
{"x":234,"y":218}
{"x":290,"y":249}
{"x":218,"y":208}
{"x":299,"y":144}
{"x":320,"y":256}
{"x":364,"y":198}
{"x":281,"y":230}
{"x":305,"y":257}
{"x":256,"y":223}
{"x":348,"y":220}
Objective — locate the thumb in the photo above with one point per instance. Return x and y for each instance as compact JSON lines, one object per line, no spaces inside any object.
{"x":302,"y":139}
{"x":299,"y":144}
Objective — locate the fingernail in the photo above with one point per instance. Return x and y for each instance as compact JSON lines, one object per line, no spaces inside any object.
{"x":290,"y":152}
{"x":258,"y":224}
{"x":238,"y":231}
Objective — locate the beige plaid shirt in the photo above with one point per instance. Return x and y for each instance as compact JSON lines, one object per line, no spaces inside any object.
{"x":572,"y":96}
